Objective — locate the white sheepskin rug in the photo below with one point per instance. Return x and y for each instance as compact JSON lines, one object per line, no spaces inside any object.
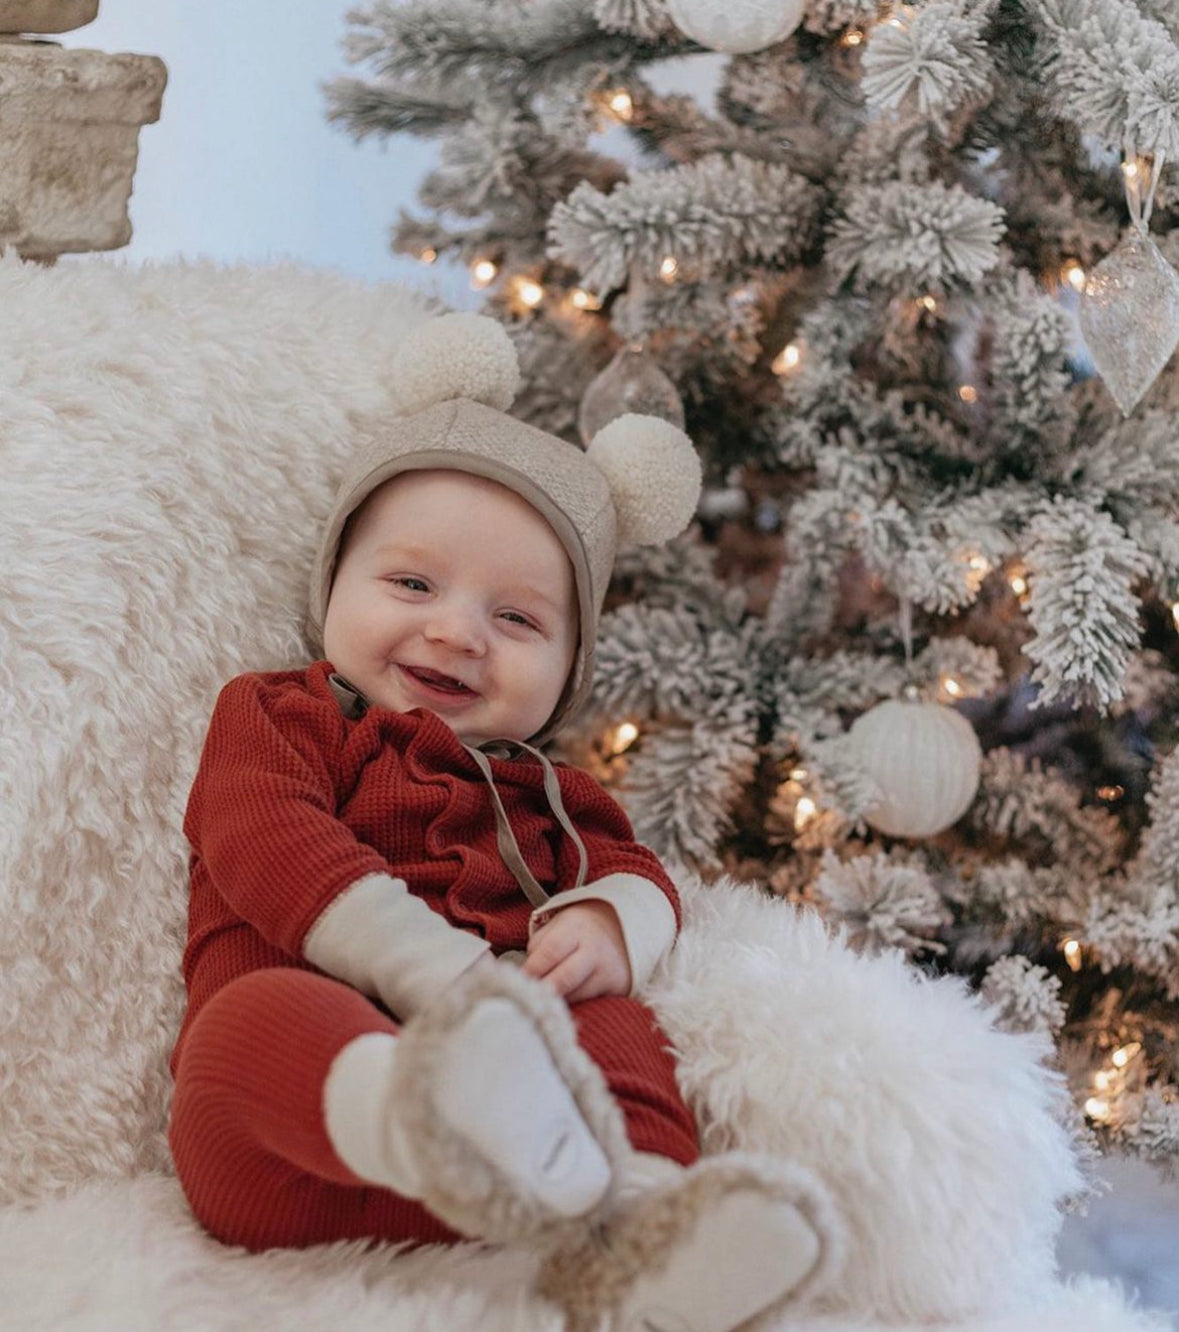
{"x":170,"y":439}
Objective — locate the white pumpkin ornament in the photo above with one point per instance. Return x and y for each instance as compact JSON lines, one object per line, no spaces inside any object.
{"x":925,"y":758}
{"x":736,"y":26}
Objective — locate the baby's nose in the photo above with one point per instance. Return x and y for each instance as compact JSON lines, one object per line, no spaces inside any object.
{"x":456,"y":627}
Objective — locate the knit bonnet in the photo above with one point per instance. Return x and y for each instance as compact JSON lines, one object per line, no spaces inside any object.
{"x":453,"y":380}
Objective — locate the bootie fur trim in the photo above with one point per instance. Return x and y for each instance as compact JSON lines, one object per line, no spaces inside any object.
{"x":590,"y":1281}
{"x":459,"y":1185}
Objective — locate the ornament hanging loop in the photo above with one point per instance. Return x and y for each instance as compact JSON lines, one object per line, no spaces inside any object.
{"x":1141,"y":174}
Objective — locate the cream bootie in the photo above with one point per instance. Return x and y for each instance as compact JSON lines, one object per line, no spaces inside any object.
{"x":504,"y":1123}
{"x":731,"y":1240}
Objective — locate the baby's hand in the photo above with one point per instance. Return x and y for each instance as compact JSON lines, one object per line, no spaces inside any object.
{"x":581,"y":953}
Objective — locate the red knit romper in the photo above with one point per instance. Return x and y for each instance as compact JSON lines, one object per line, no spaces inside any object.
{"x":293,"y":803}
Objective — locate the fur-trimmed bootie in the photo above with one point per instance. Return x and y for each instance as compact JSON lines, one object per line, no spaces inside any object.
{"x":495,"y":1118}
{"x":732,"y":1239}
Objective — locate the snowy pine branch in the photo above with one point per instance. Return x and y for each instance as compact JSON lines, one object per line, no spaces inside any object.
{"x":663,"y":663}
{"x":1084,"y":612}
{"x":1114,"y":73}
{"x":381,"y":109}
{"x":648,"y":19}
{"x":1017,"y":799}
{"x":881,"y":903}
{"x":937,"y":59}
{"x":914,"y":237}
{"x":682,"y":784}
{"x":1026,"y":996}
{"x":713,"y":215}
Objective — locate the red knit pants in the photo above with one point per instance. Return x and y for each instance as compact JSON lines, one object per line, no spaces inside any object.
{"x":247,"y":1127}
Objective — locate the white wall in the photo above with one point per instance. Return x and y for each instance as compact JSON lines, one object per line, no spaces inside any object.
{"x":242,"y":164}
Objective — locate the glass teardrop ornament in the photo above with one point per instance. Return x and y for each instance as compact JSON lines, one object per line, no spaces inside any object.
{"x":1129,"y":314}
{"x":632,"y":382}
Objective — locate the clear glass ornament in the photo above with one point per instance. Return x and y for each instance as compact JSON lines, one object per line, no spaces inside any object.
{"x":1129,"y":314}
{"x":1129,"y":308}
{"x":736,"y":26}
{"x":632,"y":382}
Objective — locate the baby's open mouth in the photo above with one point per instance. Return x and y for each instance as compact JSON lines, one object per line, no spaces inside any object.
{"x":436,"y":680}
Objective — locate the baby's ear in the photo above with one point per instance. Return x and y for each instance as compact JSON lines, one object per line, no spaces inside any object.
{"x":654,"y":475}
{"x":455,"y":356}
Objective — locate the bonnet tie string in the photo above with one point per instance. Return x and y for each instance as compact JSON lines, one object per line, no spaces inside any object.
{"x":509,"y":848}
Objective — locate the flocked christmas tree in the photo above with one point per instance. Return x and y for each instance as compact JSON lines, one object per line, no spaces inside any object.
{"x":905,"y":273}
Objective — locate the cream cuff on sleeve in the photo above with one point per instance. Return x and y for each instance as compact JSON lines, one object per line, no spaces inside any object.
{"x":643,"y":910}
{"x":389,"y":945}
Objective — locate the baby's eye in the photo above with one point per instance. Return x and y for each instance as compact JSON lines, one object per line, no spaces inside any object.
{"x":410,"y":582}
{"x":515,"y":617}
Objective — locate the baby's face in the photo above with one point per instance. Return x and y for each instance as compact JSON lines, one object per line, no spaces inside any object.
{"x":454,"y":594}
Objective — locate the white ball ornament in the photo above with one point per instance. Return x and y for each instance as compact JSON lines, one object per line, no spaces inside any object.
{"x":926,"y":760}
{"x":736,"y":26}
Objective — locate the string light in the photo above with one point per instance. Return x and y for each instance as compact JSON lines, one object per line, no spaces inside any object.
{"x":428,"y":255}
{"x":1072,"y":273}
{"x":1018,"y":583}
{"x":951,"y":686}
{"x":804,"y":812}
{"x":1121,"y":1057}
{"x":584,"y":300}
{"x":529,"y":293}
{"x":786,"y":359}
{"x":852,"y":37}
{"x":1097,"y":1108}
{"x":1072,"y":954}
{"x":620,"y":104}
{"x":1111,"y":792}
{"x":798,"y":774}
{"x":625,"y":734}
{"x":483,"y":273}
{"x":1131,"y":170}
{"x":929,"y":302}
{"x":669,"y":268}
{"x":1102,"y":1080}
{"x":968,"y":393}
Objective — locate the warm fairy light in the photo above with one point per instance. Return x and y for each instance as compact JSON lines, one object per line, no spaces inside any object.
{"x":1175,"y":613}
{"x":852,"y":37}
{"x":1018,"y":584}
{"x":669,"y":268}
{"x":951,"y":686}
{"x":1102,"y":1080}
{"x":1072,"y":272}
{"x":804,"y":811}
{"x":1097,"y":1107}
{"x":798,"y":774}
{"x":584,"y":300}
{"x":624,"y":736}
{"x":1131,"y":170}
{"x":968,"y":393}
{"x":1072,"y":954}
{"x":980,"y":564}
{"x":483,"y":273}
{"x":930,"y":303}
{"x":428,"y":255}
{"x":529,"y":293}
{"x":621,"y":105}
{"x":1111,"y":792}
{"x":786,"y":359}
{"x":1120,"y":1058}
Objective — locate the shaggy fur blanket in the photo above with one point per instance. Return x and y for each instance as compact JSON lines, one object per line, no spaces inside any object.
{"x":169,"y":440}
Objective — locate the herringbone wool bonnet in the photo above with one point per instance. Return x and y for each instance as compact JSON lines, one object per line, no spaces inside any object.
{"x":638,"y":482}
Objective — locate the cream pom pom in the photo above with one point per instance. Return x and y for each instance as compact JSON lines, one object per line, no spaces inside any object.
{"x":654,"y":476}
{"x":456,"y":356}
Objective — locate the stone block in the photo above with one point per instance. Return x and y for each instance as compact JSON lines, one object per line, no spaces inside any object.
{"x":46,"y":15}
{"x":69,"y":143}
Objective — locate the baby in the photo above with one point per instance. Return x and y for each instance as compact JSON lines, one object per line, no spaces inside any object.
{"x":415,"y":945}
